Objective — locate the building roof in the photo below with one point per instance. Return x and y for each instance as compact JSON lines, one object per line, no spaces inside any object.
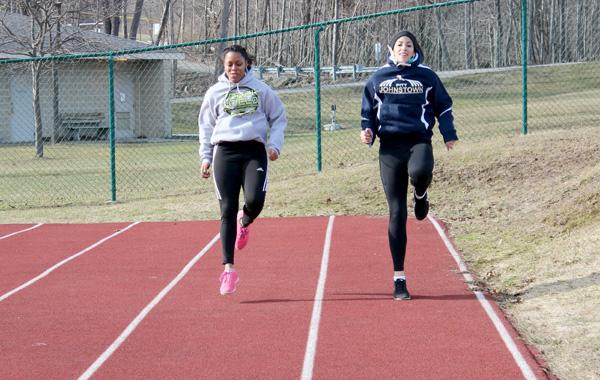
{"x":15,"y":37}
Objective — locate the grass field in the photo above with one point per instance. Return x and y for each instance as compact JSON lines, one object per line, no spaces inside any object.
{"x":485,"y":106}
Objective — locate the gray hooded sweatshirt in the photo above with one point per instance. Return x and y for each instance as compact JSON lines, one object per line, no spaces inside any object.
{"x":241,"y":111}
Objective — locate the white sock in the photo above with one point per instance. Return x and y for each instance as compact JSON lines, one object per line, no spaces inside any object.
{"x":422,"y":196}
{"x":399,"y":275}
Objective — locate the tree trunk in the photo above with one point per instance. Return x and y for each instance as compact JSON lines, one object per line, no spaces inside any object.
{"x":236,"y":18}
{"x":135,"y":22}
{"x":180,"y":35}
{"x":192,"y":31}
{"x":222,"y":34}
{"x":124,"y":18}
{"x":116,"y":25}
{"x":444,"y":56}
{"x":346,"y":36}
{"x":499,"y":32}
{"x":562,"y":30}
{"x":246,"y":13}
{"x":266,"y":25}
{"x":172,"y":38}
{"x":106,"y":16}
{"x":509,"y":33}
{"x":37,"y":109}
{"x":205,"y":32}
{"x":77,"y":13}
{"x":116,"y":19}
{"x":281,"y":26}
{"x":590,"y":34}
{"x":55,"y":104}
{"x":468,"y":35}
{"x":163,"y":22}
{"x":530,"y":35}
{"x":579,"y":36}
{"x":255,"y":22}
{"x":334,"y":39}
{"x":307,"y":35}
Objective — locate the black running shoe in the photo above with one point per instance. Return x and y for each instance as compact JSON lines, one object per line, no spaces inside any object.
{"x":421,"y":207}
{"x":400,"y":290}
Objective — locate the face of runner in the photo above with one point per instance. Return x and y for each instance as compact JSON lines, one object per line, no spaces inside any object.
{"x":403,"y":49}
{"x":235,"y":66}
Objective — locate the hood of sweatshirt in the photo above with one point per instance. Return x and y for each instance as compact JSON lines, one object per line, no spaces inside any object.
{"x":247,"y":80}
{"x":415,"y":61}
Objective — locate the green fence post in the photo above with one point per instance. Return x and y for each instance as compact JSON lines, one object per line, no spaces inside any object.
{"x":111,"y":127}
{"x":318,"y":94}
{"x":524,"y":24}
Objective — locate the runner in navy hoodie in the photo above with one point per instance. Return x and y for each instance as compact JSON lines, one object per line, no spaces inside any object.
{"x":400,"y":105}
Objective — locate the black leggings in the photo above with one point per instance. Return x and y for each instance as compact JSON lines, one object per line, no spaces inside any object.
{"x":236,"y":166}
{"x":399,"y":160}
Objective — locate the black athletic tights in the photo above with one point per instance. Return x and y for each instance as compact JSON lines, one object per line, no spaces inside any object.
{"x":236,"y":166}
{"x":398,"y":160}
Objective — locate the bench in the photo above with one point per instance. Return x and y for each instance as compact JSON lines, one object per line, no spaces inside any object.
{"x":73,"y":123}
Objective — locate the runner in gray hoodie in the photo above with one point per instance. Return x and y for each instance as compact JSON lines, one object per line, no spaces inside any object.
{"x":233,"y":122}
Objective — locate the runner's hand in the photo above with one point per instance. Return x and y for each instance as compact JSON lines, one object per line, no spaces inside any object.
{"x":205,"y":170}
{"x":366,"y":136}
{"x":450,"y":144}
{"x":273,"y":154}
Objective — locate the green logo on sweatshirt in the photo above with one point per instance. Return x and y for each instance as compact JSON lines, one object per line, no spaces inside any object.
{"x":241,"y":102}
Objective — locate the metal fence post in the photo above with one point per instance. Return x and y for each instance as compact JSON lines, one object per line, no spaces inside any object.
{"x":318,"y":94}
{"x":524,"y":24}
{"x":111,"y":127}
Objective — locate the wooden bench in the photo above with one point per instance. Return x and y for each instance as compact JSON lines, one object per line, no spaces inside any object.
{"x":72,"y":123}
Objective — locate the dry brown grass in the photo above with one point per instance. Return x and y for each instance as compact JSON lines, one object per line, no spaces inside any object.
{"x":524,"y":212}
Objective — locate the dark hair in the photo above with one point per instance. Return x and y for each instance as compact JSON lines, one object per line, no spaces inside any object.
{"x":238,"y":49}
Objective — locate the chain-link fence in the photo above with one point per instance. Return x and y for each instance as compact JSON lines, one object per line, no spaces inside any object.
{"x":122,"y":125}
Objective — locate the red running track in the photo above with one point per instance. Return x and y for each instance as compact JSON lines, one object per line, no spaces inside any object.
{"x":314,"y":301}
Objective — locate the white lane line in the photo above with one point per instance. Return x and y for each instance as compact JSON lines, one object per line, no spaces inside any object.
{"x":504,"y":334}
{"x":21,"y":231}
{"x":140,"y":317}
{"x":58,"y":265}
{"x":313,"y":332}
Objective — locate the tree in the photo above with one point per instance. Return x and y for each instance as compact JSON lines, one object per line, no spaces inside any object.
{"x":163,"y":22}
{"x":110,"y":11}
{"x":44,"y":39}
{"x":135,"y":22}
{"x":468,"y":35}
{"x":223,"y":33}
{"x":499,"y":61}
{"x":443,"y":47}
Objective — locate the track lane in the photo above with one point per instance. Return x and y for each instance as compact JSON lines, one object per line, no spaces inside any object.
{"x":6,"y":230}
{"x":258,"y":332}
{"x":442,"y":333}
{"x":26,"y":255}
{"x":57,"y":328}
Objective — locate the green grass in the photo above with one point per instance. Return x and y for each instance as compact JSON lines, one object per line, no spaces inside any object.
{"x":80,"y":173}
{"x":486,"y":106}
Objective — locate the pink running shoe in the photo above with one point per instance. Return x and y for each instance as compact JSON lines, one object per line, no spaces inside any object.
{"x":243,"y":233}
{"x":229,"y":281}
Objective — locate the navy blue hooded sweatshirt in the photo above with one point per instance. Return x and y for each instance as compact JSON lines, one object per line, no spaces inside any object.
{"x":404,"y":101}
